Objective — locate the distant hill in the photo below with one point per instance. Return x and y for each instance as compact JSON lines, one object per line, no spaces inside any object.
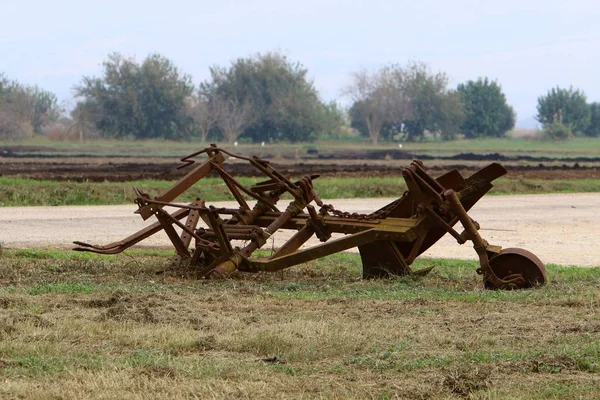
{"x":527,"y":123}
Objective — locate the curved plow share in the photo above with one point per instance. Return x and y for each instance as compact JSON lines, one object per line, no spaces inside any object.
{"x":389,"y":239}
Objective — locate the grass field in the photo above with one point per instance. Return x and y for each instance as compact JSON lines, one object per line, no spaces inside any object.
{"x":29,"y":192}
{"x":133,"y":326}
{"x":587,"y":147}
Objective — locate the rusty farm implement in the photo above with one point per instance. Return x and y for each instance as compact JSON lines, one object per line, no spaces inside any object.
{"x":388,"y":240}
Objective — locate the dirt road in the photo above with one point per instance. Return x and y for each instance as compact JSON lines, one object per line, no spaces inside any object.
{"x":560,"y":229}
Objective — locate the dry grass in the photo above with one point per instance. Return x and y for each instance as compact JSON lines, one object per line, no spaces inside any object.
{"x":81,"y":326}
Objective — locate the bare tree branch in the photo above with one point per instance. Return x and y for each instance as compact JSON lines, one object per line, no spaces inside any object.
{"x":379,"y":98}
{"x":205,"y":113}
{"x":233,"y":117}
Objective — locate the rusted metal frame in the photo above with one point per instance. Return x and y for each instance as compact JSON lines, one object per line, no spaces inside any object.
{"x":220,"y":210}
{"x":237,"y":258}
{"x":295,"y":241}
{"x":187,"y":160}
{"x":249,"y":217}
{"x":180,"y":248}
{"x":487,"y":174}
{"x":419,"y":169}
{"x":148,"y":203}
{"x":266,"y":169}
{"x":338,"y":224}
{"x":203,"y":272}
{"x":241,"y":228}
{"x":308,"y":191}
{"x":414,"y":251}
{"x":236,"y":232}
{"x":427,"y":203}
{"x":421,"y":191}
{"x":447,"y":226}
{"x":480,"y":245}
{"x":383,"y":258}
{"x":191,"y":178}
{"x":407,"y":261}
{"x":302,"y":256}
{"x":451,"y":180}
{"x":234,"y":235}
{"x":196,"y":256}
{"x":255,"y":196}
{"x":168,"y":220}
{"x":293,"y":209}
{"x":192,"y":222}
{"x":266,"y":186}
{"x":322,"y":250}
{"x":231,"y":185}
{"x":319,"y":227}
{"x":231,"y":229}
{"x":220,"y":234}
{"x":213,"y":148}
{"x":117,"y":247}
{"x":462,"y":237}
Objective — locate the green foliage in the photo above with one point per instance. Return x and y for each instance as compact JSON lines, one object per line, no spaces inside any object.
{"x":557,"y":131}
{"x":380,"y":102}
{"x":405,"y":101}
{"x":388,"y":129}
{"x":593,"y":128}
{"x":449,"y":116}
{"x":434,"y":108}
{"x":146,"y":100}
{"x":284,"y":103}
{"x":334,"y":120}
{"x":486,"y":110}
{"x":567,"y":106}
{"x":25,"y":110}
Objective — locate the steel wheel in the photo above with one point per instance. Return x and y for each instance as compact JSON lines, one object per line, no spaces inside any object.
{"x":515,"y":261}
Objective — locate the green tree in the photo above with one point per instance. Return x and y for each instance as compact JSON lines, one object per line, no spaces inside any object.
{"x":434,"y":107}
{"x":486,"y":110}
{"x":593,"y":128}
{"x":380,"y":101}
{"x":335,"y":120}
{"x":45,"y":108}
{"x":567,"y":106}
{"x":146,"y":100}
{"x":81,"y":123}
{"x":233,"y":117}
{"x":4,"y":84}
{"x":204,"y":113}
{"x":557,"y":131}
{"x":390,"y":127}
{"x":283,"y":101}
{"x":25,"y":110}
{"x":405,"y":100}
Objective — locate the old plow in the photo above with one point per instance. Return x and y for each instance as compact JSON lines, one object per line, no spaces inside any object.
{"x":218,"y":241}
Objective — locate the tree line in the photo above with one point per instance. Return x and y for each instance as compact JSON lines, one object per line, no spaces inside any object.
{"x":25,"y":110}
{"x":269,"y":98}
{"x":566,"y":112}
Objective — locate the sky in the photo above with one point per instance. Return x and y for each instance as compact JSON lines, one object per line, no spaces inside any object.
{"x":528,"y":46}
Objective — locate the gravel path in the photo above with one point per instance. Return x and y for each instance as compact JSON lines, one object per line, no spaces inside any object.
{"x":560,"y":228}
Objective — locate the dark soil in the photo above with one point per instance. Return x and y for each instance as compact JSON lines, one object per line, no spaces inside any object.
{"x":345,"y":163}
